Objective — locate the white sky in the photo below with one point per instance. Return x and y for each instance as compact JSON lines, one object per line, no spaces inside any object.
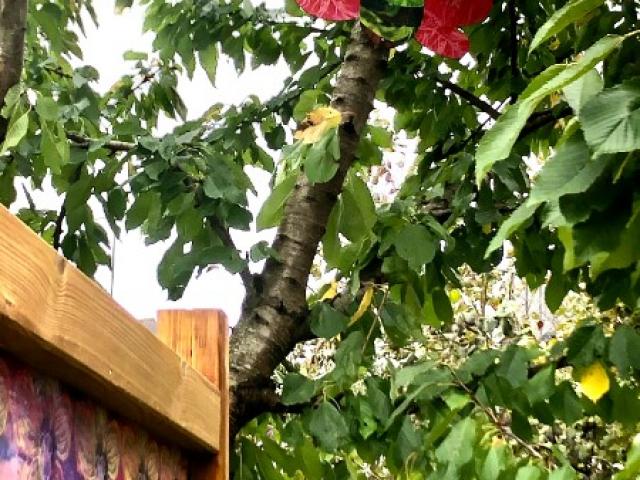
{"x":135,"y":283}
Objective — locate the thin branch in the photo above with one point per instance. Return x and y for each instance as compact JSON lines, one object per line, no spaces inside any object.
{"x":470,"y":97}
{"x":513,"y":42}
{"x":113,"y":145}
{"x":225,"y":236}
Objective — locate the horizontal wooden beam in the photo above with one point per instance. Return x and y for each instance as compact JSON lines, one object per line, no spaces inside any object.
{"x":65,"y":325}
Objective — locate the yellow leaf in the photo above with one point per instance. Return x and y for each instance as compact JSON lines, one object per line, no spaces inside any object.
{"x":486,"y":228}
{"x":317,"y":123}
{"x":455,"y":295}
{"x":594,"y":381}
{"x":331,"y":292}
{"x":364,"y":305}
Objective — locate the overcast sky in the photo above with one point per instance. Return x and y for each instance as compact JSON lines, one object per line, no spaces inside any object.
{"x":135,"y":284}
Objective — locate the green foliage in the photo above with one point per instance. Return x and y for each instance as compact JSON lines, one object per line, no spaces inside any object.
{"x":555,"y":174}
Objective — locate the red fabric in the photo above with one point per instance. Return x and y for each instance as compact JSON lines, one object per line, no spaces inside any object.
{"x":445,"y":40}
{"x":331,"y":9}
{"x":439,"y":28}
{"x":456,"y":13}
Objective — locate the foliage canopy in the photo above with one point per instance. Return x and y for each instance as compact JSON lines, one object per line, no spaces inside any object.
{"x":534,"y":138}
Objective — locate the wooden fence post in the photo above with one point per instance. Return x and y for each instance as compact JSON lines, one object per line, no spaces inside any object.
{"x":201,"y":339}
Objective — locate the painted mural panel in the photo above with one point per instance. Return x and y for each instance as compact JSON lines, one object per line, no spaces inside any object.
{"x":48,"y":432}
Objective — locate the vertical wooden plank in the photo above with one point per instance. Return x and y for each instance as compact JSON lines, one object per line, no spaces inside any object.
{"x":201,"y":339}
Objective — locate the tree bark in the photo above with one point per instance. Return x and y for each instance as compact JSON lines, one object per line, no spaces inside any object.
{"x":13,"y":18}
{"x":274,"y":317}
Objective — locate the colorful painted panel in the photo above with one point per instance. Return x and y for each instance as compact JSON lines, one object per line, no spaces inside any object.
{"x":49,"y":432}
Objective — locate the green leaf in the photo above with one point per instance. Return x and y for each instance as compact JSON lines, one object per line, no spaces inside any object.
{"x":514,"y":366}
{"x":570,"y":13}
{"x":307,"y":101}
{"x":320,"y":162}
{"x":297,"y":388}
{"x":416,"y":245}
{"x":139,"y":211}
{"x":563,"y":473}
{"x":565,"y":404}
{"x":328,"y":427}
{"x":583,"y":89}
{"x":494,"y":464}
{"x":498,"y":142}
{"x":529,"y":472}
{"x":16,"y":132}
{"x":541,"y":386}
{"x":624,"y":350}
{"x":47,"y":108}
{"x":209,"y":61}
{"x":132,"y":55}
{"x":523,"y":213}
{"x":271,"y":212}
{"x":457,"y":448}
{"x":611,"y":120}
{"x":327,"y":322}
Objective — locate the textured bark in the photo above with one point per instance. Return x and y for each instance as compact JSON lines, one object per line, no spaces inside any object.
{"x":13,"y":14}
{"x":274,"y":317}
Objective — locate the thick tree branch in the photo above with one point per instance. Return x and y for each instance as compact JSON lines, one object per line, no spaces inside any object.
{"x":13,"y":17}
{"x":274,"y":318}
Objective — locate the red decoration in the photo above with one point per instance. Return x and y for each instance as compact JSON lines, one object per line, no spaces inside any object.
{"x":331,"y":9}
{"x":440,"y":30}
{"x":440,"y":27}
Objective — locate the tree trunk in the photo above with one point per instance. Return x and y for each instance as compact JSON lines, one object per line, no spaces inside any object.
{"x":13,"y":15}
{"x":274,"y":316}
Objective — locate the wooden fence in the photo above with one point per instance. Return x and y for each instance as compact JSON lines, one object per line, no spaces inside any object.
{"x":62,"y":327}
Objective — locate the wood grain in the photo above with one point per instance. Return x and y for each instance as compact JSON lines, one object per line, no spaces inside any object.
{"x":201,"y":338}
{"x":62,"y":323}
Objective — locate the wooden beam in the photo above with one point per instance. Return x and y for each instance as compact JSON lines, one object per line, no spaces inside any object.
{"x":62,"y":323}
{"x":201,"y":338}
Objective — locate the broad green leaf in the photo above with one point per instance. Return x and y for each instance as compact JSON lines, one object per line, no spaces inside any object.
{"x":571,"y":12}
{"x":209,"y":61}
{"x":320,"y":162}
{"x":328,"y":426}
{"x":327,"y":322}
{"x":16,"y":132}
{"x":541,"y":386}
{"x":529,"y":472}
{"x":47,"y":108}
{"x":563,"y":473}
{"x":416,"y":245}
{"x":514,"y":366}
{"x":624,"y":350}
{"x":499,"y":140}
{"x":297,"y":388}
{"x":583,"y":89}
{"x":457,"y":448}
{"x":523,"y":213}
{"x":271,"y":212}
{"x":611,"y":120}
{"x":495,"y":463}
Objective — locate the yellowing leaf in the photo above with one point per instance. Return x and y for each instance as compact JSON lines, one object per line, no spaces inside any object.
{"x":318,"y":123}
{"x":455,"y":295}
{"x":331,"y":292}
{"x":594,"y":381}
{"x":364,"y":305}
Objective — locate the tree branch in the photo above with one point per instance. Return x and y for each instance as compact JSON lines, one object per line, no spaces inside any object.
{"x":469,"y":97}
{"x":113,"y":145}
{"x":273,"y":318}
{"x":225,"y":236}
{"x":13,"y":17}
